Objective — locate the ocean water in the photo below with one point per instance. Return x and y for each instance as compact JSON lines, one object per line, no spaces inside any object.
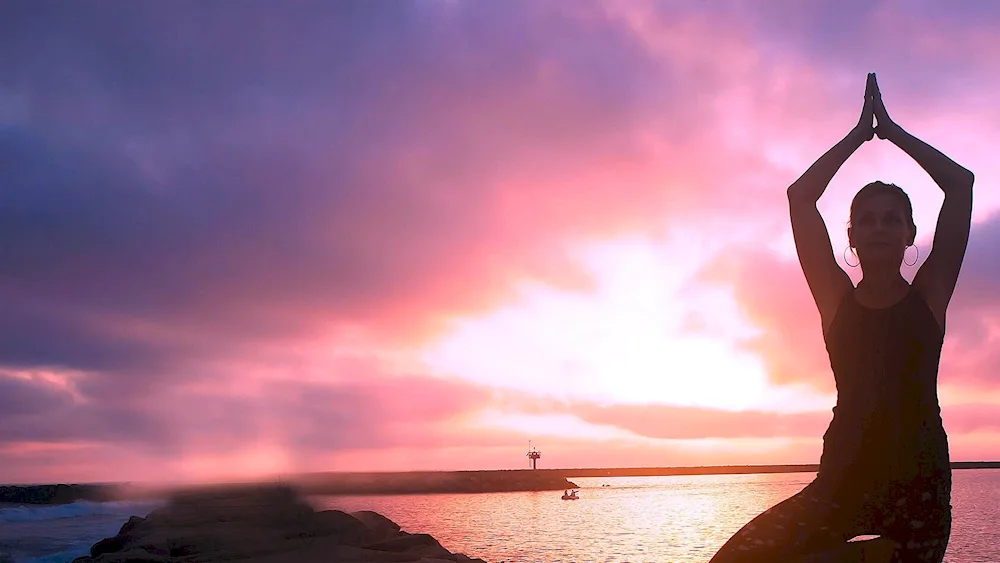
{"x":59,"y":533}
{"x":680,"y":519}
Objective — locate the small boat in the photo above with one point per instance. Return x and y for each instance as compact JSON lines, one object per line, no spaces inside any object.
{"x":570,"y":496}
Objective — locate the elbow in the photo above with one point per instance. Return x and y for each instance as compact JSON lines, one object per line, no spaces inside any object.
{"x":962,"y":182}
{"x":969,"y":179}
{"x":797,"y":195}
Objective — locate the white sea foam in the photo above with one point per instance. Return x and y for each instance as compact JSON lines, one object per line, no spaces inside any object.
{"x":38,"y":512}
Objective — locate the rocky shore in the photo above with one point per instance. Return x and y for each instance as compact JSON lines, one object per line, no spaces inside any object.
{"x":263,"y":524}
{"x":54,"y":494}
{"x":416,"y":482}
{"x":430,"y":482}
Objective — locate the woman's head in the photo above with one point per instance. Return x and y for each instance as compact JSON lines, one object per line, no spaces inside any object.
{"x":881,"y":225}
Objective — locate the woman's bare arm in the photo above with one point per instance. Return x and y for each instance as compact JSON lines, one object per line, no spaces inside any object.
{"x":827,"y":281}
{"x":938,"y":275}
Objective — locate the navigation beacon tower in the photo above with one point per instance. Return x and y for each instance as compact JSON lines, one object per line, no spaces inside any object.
{"x":533,"y":455}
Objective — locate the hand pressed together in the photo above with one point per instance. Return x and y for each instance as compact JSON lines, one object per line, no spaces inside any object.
{"x":864,"y":130}
{"x":886,"y":126}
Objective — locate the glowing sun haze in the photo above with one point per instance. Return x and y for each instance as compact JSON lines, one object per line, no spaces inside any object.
{"x":415,"y":235}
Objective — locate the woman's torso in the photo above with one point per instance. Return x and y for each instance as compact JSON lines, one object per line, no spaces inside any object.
{"x":887,"y":422}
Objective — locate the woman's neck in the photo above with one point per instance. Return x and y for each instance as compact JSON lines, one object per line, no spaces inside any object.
{"x":882,"y":283}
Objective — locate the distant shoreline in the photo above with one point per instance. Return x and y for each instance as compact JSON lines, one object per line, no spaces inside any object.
{"x":409,"y":482}
{"x":724,"y":469}
{"x":631,"y":471}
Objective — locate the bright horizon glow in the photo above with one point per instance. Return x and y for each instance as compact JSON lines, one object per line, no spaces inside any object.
{"x":629,"y":341}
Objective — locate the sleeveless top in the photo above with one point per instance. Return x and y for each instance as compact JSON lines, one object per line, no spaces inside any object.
{"x":887,"y":422}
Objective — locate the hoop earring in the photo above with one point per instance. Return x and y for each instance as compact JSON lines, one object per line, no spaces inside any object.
{"x":915,"y":258}
{"x":848,"y":262}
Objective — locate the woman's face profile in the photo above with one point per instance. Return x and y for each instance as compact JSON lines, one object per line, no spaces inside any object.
{"x":880,"y":228}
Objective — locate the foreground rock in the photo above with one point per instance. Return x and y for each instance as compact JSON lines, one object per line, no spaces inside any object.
{"x":263,"y":524}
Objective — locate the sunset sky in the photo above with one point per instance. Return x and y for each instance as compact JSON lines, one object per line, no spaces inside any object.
{"x":243,"y":238}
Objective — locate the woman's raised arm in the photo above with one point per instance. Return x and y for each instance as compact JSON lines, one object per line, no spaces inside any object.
{"x":827,"y":281}
{"x":938,"y":275}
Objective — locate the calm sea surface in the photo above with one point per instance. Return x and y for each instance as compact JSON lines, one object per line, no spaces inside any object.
{"x":645,"y":519}
{"x":634,"y":519}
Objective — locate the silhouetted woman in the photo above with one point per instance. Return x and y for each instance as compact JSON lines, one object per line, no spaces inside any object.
{"x":885,"y":466}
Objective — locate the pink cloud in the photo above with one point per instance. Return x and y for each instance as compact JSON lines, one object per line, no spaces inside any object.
{"x":657,"y":421}
{"x":774,"y":296}
{"x":971,"y":418}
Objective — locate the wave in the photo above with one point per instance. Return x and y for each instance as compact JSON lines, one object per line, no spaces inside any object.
{"x":36,"y":513}
{"x":58,"y":557}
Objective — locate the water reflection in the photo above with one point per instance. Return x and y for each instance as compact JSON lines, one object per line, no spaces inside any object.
{"x":681,"y":519}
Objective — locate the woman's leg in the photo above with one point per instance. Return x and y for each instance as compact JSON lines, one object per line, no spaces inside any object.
{"x":808,"y":522}
{"x":918,"y":519}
